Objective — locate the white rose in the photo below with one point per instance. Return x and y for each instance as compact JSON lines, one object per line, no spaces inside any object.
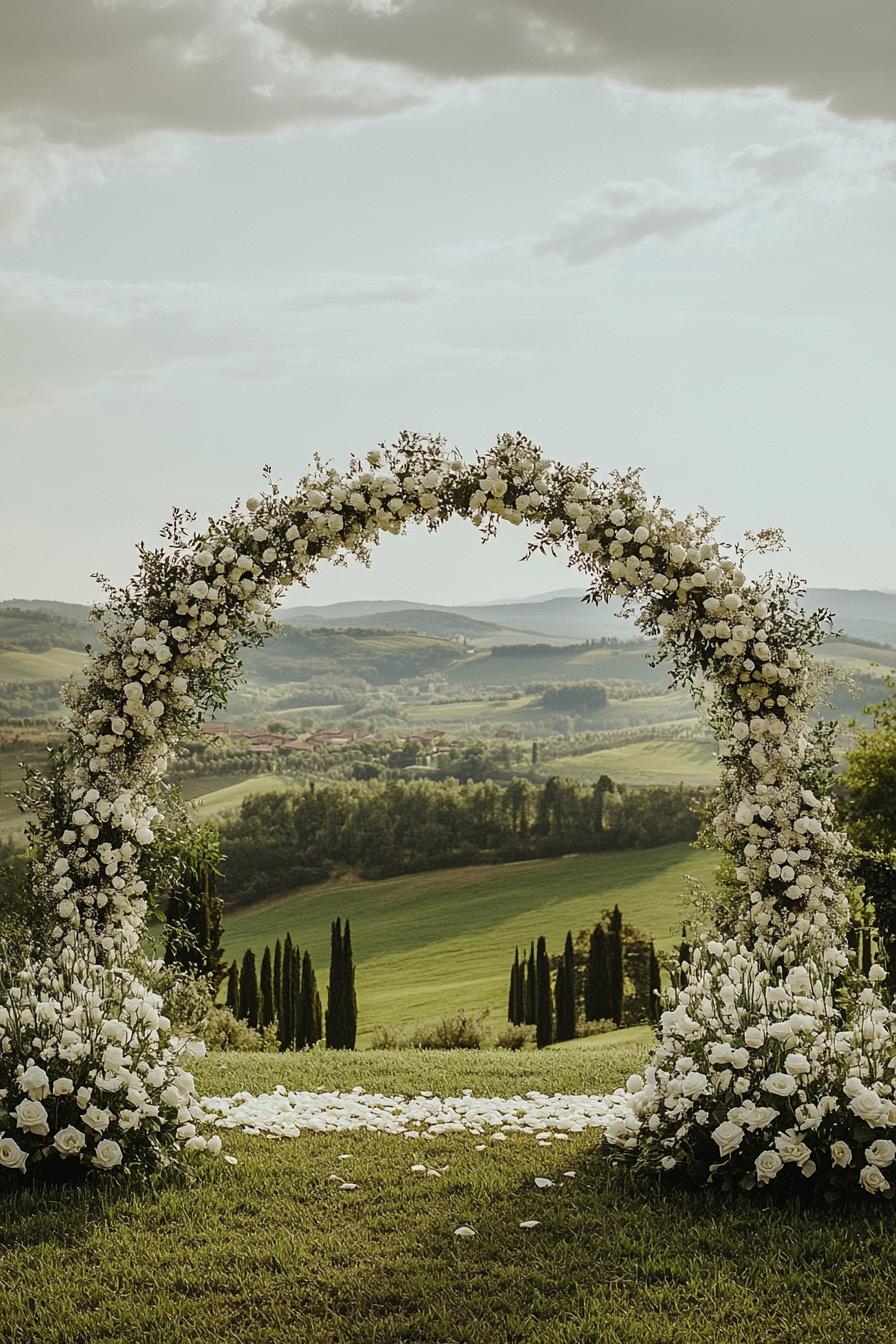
{"x":35,"y":1083}
{"x":727,"y":1137}
{"x":881,"y":1153}
{"x":876,"y":974}
{"x":873,"y":1180}
{"x":780,"y":1084}
{"x":63,"y":1087}
{"x":866,"y":1105}
{"x":617,"y":517}
{"x":107,"y":1155}
{"x":841,"y":1153}
{"x":11,"y":1155}
{"x":69,"y":1141}
{"x":32,"y":1117}
{"x":97,"y":1118}
{"x":768,"y":1164}
{"x":754,"y":1037}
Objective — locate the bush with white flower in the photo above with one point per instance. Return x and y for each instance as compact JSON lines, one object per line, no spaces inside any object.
{"x":91,"y":1076}
{"x":170,"y":652}
{"x":766,"y":1073}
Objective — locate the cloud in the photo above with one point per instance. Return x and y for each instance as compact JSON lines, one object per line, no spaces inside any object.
{"x":822,"y":51}
{"x":93,"y":88}
{"x":99,"y":72}
{"x":69,"y":335}
{"x":772,"y":187}
{"x":623,"y":214}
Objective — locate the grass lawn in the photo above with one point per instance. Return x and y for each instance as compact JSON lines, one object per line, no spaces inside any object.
{"x":650,"y":762}
{"x":431,"y":943}
{"x":271,"y":1250}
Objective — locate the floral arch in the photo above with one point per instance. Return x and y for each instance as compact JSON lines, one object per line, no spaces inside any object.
{"x":771,"y":1062}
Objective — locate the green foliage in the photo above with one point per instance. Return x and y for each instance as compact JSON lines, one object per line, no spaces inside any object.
{"x":249,"y":989}
{"x":869,"y":782}
{"x":515,"y":1037}
{"x":193,"y":917}
{"x":565,"y":996}
{"x":232,"y":999}
{"x":598,"y":1005}
{"x":267,"y":1010}
{"x":579,"y":698}
{"x":544,"y":1017}
{"x":282,"y":840}
{"x":615,"y":964}
{"x":342,"y":1004}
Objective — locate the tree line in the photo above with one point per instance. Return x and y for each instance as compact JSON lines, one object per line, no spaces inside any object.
{"x":608,"y":975}
{"x":281,"y":840}
{"x":284,"y":995}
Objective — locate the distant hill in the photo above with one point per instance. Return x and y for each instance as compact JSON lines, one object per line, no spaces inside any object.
{"x":563,"y":616}
{"x":36,"y":627}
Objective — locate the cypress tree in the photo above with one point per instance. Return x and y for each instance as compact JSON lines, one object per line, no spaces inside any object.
{"x":565,"y":992}
{"x":513,"y":994}
{"x":286,"y":1022}
{"x":233,"y":989}
{"x":278,"y":971}
{"x":335,"y":996}
{"x":614,"y":959}
{"x":249,"y":989}
{"x":544,"y":1021}
{"x":267,"y":1014}
{"x":318,"y":1016}
{"x":350,"y":998}
{"x":531,"y":987}
{"x":334,"y":989}
{"x":309,"y":1032}
{"x":598,"y":996}
{"x":520,"y":1001}
{"x":296,"y":987}
{"x":655,"y":986}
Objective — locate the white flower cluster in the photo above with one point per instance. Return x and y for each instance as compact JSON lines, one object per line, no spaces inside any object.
{"x":171,"y":643}
{"x":90,"y":1073}
{"x":763,"y":1074}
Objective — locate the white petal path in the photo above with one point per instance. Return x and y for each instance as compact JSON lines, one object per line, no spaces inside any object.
{"x":286,"y":1114}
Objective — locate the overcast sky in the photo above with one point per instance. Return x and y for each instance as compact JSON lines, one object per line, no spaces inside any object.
{"x":650,"y":232}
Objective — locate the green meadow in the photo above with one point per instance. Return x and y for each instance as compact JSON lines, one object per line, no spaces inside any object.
{"x":429,"y":944}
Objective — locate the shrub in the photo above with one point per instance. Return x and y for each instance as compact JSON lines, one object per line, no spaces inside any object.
{"x":461,"y":1032}
{"x":222,"y":1031}
{"x":515,"y":1037}
{"x":598,"y":1028}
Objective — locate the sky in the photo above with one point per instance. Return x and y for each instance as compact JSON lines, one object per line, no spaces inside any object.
{"x":242,"y":232}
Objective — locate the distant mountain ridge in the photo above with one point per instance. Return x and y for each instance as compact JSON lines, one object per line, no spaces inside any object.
{"x":559,"y":616}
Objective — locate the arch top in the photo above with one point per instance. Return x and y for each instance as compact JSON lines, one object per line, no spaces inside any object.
{"x":171,"y":643}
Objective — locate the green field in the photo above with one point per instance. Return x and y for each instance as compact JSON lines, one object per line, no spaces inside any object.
{"x":52,"y":665}
{"x":272,"y":1251}
{"x":431,"y":943}
{"x":648,"y":762}
{"x":582,"y":665}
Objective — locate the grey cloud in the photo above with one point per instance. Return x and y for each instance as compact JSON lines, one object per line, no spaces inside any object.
{"x":826,"y":51}
{"x":623,"y":214}
{"x":781,"y":163}
{"x":91,"y":73}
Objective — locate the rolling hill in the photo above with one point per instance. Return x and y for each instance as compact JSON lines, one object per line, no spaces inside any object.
{"x":430,"y":943}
